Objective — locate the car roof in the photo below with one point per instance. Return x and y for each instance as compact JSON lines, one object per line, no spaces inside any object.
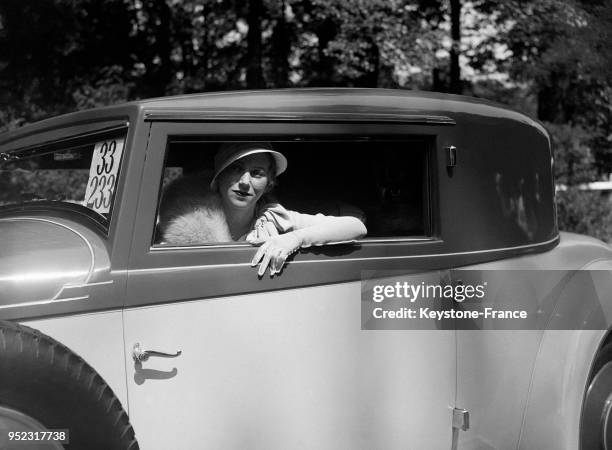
{"x":310,"y":104}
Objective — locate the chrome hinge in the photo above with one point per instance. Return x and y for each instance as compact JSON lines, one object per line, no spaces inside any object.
{"x":451,"y":156}
{"x":461,"y":419}
{"x":461,"y":422}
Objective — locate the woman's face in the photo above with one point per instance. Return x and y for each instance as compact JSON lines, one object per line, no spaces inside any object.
{"x":243,"y":183}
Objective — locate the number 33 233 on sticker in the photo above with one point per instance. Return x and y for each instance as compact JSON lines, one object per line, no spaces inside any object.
{"x":103,"y":175}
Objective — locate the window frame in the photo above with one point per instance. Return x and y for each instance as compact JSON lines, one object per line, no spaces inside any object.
{"x":145,"y":256}
{"x":427,"y":143}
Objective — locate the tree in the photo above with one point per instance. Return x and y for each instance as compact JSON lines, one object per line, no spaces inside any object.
{"x":558,"y":52}
{"x":157,"y":36}
{"x":254,"y":69}
{"x":455,"y":73}
{"x":363,"y":43}
{"x":63,"y":47}
{"x":280,"y":47}
{"x":578,"y":210}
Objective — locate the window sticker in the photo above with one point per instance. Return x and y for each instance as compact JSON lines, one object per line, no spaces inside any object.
{"x":67,"y":156}
{"x":103,"y":174}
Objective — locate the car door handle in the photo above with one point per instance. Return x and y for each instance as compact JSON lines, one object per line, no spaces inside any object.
{"x":142,"y":355}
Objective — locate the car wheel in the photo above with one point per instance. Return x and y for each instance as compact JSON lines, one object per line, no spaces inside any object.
{"x":596,"y":423}
{"x":44,"y":387}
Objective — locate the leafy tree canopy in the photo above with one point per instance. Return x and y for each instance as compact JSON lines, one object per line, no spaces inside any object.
{"x":549,"y":58}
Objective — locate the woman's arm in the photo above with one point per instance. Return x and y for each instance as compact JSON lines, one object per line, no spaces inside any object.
{"x":321,"y":230}
{"x":306,"y":230}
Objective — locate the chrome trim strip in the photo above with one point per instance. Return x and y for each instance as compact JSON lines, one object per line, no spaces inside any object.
{"x":84,"y":285}
{"x":397,"y":240}
{"x":44,"y":302}
{"x":245,"y":244}
{"x":291,"y":116}
{"x":430,"y":255}
{"x":76,"y":286}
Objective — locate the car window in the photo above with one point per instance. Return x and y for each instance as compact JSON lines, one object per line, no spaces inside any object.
{"x":382,"y":182}
{"x":80,"y":174}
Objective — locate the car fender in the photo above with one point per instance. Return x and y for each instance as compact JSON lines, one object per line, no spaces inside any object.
{"x":563,"y":364}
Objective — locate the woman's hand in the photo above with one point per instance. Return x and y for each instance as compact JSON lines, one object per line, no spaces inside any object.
{"x":274,"y":252}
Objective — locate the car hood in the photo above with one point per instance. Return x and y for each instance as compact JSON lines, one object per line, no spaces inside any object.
{"x":38,"y":257}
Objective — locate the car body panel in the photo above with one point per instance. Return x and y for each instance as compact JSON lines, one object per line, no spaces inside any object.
{"x":90,"y":285}
{"x":287,"y":369}
{"x":29,"y":248}
{"x":531,"y":395}
{"x":98,"y":339}
{"x":564,"y":360}
{"x":559,"y":380}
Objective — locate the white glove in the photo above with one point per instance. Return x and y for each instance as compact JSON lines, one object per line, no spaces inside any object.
{"x":275,"y":252}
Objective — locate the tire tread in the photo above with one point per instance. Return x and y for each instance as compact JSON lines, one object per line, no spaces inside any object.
{"x":32,"y":347}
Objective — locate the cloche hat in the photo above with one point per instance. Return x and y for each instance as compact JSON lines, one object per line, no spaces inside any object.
{"x":229,"y":153}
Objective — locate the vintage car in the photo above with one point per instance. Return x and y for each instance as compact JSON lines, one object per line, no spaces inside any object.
{"x":120,"y":338}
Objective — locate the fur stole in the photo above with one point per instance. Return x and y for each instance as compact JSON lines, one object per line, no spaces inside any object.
{"x":190,"y":213}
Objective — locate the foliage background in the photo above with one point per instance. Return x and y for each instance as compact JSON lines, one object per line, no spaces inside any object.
{"x":549,"y":58}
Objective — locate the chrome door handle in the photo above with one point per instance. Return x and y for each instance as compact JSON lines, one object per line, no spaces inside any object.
{"x":142,"y":355}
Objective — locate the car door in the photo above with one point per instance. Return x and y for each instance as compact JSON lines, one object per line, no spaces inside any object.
{"x":276,"y":362}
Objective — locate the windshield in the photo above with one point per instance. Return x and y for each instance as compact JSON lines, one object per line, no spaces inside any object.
{"x":83,"y":173}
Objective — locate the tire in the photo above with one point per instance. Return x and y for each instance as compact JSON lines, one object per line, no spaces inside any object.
{"x":44,"y":381}
{"x":596,"y":421}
